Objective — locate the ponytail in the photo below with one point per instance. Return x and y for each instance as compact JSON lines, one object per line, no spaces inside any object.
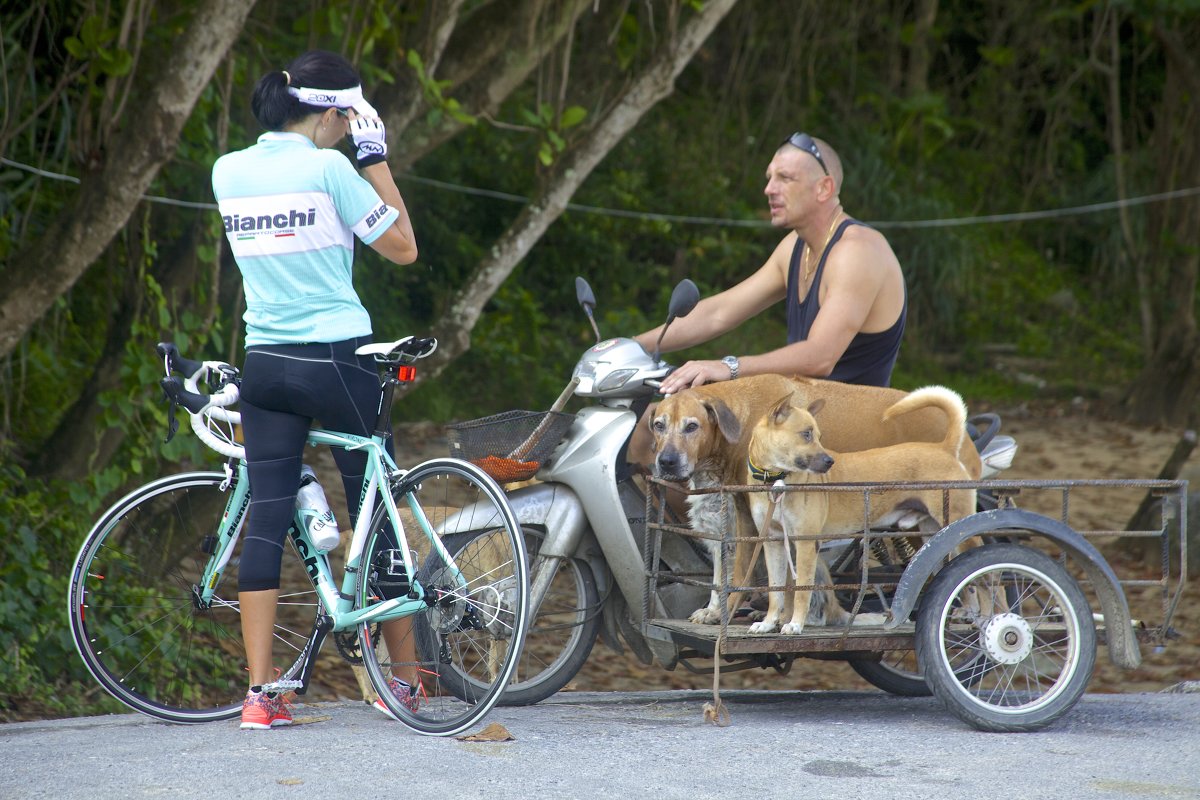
{"x":275,"y":108}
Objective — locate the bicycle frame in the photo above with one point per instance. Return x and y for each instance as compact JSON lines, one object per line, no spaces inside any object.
{"x":338,"y":605}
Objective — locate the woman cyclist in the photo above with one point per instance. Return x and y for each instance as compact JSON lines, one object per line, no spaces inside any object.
{"x":292,"y":205}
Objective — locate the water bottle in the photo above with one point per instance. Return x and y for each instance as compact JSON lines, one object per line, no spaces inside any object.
{"x":314,"y":511}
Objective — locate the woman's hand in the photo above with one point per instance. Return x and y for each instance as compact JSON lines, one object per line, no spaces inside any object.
{"x":370,"y":139}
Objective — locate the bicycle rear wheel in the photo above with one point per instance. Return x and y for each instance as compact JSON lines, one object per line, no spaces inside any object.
{"x":465,"y":641}
{"x":138,"y":623}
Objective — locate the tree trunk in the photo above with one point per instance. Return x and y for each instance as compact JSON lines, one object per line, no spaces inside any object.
{"x":78,"y":444}
{"x":655,"y":82}
{"x":920,"y":54}
{"x":42,"y":273}
{"x":437,"y":24}
{"x":1166,"y":390}
{"x":1149,"y":510}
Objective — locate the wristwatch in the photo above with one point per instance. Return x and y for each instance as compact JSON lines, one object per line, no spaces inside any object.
{"x":733,"y":364}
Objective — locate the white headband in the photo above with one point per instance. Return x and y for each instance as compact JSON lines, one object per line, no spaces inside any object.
{"x":335,"y":98}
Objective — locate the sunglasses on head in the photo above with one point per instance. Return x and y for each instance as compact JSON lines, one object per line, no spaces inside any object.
{"x":343,"y":112}
{"x":806,"y":143}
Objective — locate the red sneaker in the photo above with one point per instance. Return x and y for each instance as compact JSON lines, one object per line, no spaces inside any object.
{"x":261,"y":712}
{"x":409,"y":697}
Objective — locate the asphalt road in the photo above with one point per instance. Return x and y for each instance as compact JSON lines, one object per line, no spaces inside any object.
{"x":627,"y":745}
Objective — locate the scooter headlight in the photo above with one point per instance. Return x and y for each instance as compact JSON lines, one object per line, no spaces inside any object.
{"x":616,"y":379}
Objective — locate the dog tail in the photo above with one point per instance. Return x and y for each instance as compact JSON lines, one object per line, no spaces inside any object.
{"x":948,"y":400}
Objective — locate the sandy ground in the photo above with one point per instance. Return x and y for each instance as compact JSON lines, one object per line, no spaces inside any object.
{"x":1053,"y":445}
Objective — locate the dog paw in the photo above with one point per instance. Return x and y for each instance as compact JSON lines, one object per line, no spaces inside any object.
{"x":766,"y":626}
{"x":756,"y":616}
{"x":705,"y":616}
{"x":792,"y":629}
{"x":870,"y":619}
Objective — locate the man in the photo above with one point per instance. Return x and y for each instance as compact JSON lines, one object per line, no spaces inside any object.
{"x":844,"y":291}
{"x":847,"y":329}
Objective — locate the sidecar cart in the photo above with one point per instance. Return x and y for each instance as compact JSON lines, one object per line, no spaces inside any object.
{"x":997,"y":614}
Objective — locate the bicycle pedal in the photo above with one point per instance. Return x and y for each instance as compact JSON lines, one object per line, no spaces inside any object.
{"x":391,"y":576}
{"x":283,"y":686}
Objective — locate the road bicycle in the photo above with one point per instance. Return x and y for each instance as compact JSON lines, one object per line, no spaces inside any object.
{"x":154,"y":610}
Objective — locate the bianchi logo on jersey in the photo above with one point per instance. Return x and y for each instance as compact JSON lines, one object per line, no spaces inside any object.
{"x":376,"y":215}
{"x":282,"y":224}
{"x":383,"y":213}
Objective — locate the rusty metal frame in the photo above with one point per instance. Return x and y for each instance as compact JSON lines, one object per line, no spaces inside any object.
{"x":897,"y":634}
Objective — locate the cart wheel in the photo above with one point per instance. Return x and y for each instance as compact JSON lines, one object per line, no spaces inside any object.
{"x":1005,"y":638}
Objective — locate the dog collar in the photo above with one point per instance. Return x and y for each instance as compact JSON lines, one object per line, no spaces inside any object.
{"x":762,"y":475}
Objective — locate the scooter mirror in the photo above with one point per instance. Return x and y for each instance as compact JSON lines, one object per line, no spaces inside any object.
{"x":584,"y":294}
{"x":587,"y":299}
{"x":684,"y":298}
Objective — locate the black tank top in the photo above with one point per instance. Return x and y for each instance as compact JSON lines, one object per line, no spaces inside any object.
{"x":871,"y":356}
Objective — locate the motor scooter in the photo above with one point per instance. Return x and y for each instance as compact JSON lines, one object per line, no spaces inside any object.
{"x":585,"y":523}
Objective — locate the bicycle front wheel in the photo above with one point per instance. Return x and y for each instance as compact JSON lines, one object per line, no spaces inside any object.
{"x":461,"y":646}
{"x":138,"y":620}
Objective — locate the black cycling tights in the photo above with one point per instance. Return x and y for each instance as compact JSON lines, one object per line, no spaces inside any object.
{"x":284,"y":389}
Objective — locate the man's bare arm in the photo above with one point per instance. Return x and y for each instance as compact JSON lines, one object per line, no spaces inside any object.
{"x":726,"y":310}
{"x":854,"y":276}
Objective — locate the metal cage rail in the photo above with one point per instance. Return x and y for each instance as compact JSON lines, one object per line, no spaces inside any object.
{"x":875,"y":584}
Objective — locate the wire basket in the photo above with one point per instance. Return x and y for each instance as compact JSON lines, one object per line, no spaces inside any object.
{"x":509,"y":446}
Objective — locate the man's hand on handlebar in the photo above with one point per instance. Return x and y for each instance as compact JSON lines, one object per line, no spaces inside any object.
{"x":694,"y":373}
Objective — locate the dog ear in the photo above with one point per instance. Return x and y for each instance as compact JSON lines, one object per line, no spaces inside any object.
{"x":781,"y":410}
{"x":725,"y":420}
{"x":816,"y":405}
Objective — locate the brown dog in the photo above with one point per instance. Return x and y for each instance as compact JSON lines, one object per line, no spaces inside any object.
{"x":786,"y":445}
{"x":698,"y":439}
{"x":701,"y":436}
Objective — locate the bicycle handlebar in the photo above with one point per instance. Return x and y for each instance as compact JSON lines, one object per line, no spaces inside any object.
{"x":203,"y":409}
{"x":174,"y":361}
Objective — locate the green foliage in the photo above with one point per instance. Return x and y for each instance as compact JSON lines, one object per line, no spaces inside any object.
{"x":40,"y":673}
{"x":95,"y":44}
{"x":551,"y":127}
{"x":434,"y":90}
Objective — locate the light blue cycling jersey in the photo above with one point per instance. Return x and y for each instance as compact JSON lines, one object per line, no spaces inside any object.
{"x":291,"y":211}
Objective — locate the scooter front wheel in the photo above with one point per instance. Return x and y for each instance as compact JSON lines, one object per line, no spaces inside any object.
{"x":896,"y":672}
